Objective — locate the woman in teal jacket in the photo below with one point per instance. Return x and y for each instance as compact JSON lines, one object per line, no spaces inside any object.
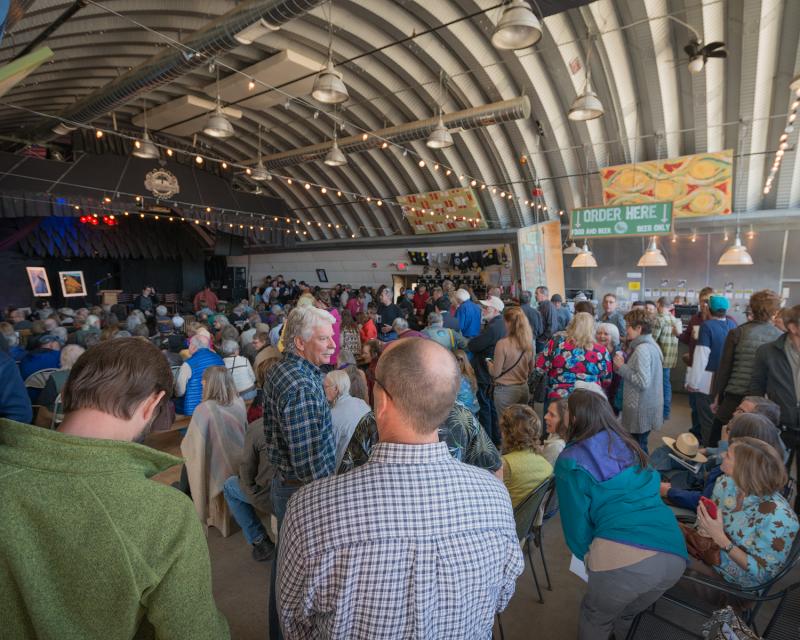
{"x":614,"y":519}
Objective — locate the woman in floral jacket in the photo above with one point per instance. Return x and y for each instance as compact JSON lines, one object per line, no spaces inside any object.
{"x":573,"y":356}
{"x":755,"y":527}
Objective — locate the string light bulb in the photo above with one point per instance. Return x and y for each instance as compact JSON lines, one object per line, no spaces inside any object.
{"x":251,"y":85}
{"x":198,"y":159}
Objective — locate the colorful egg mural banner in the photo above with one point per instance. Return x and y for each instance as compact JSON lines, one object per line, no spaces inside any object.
{"x":697,"y":185}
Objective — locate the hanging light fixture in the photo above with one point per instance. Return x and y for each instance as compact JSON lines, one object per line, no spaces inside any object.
{"x":329,"y":88}
{"x":587,"y":105}
{"x":145,"y":148}
{"x":517,"y":28}
{"x":737,"y":254}
{"x":440,"y":137}
{"x":335,"y":157}
{"x":572,"y":249}
{"x":218,"y":125}
{"x":585,"y":258}
{"x":259,"y":172}
{"x":652,"y":257}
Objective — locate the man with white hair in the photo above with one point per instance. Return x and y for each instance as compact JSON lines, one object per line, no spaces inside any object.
{"x":189,"y":381}
{"x":468,"y":314}
{"x":401,"y":328}
{"x":55,"y":383}
{"x":411,"y":544}
{"x":297,"y":418}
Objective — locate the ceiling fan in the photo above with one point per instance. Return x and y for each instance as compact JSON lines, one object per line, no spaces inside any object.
{"x":699,"y":53}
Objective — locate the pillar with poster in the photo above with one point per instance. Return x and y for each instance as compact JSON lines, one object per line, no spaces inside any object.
{"x":540,"y":259}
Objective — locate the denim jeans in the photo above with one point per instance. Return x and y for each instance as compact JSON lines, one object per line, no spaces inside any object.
{"x":667,"y":393}
{"x":487,"y":414}
{"x":279,"y":494}
{"x":641,"y":439}
{"x":243,"y":512}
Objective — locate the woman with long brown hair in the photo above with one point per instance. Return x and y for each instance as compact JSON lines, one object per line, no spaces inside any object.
{"x":614,"y":519}
{"x":512,"y":362}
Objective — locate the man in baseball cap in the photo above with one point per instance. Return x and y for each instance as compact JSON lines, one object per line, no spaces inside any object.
{"x":705,"y":361}
{"x":482,"y":349}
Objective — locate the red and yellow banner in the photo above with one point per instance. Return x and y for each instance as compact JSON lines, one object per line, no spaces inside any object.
{"x":697,"y":185}
{"x":442,"y":211}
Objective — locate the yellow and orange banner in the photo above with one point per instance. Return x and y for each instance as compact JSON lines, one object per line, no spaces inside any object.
{"x":697,"y":185}
{"x":442,"y":211}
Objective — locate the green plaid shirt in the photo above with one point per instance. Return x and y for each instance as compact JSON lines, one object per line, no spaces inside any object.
{"x":663,"y":335}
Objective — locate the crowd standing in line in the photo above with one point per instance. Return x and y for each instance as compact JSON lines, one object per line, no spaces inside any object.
{"x":322,"y":407}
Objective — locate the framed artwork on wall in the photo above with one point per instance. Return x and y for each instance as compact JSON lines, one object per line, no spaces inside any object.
{"x":73,"y":284}
{"x":321,"y":275}
{"x":40,"y":285}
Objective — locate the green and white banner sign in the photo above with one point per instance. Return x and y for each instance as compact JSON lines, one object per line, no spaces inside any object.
{"x":651,"y":219}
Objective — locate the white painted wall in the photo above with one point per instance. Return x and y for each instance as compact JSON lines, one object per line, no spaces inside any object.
{"x":346,"y":266}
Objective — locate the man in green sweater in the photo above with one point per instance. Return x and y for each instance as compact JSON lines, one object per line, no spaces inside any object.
{"x":91,"y":548}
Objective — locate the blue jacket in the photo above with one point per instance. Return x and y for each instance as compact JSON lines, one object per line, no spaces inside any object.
{"x":689,"y":499}
{"x":604,"y":493}
{"x":199,"y":362}
{"x":14,"y":401}
{"x":469,"y":319}
{"x":36,"y":361}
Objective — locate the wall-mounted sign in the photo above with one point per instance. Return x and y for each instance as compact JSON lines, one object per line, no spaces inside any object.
{"x":697,"y":185}
{"x":441,"y":211}
{"x":161,"y":183}
{"x":651,"y":219}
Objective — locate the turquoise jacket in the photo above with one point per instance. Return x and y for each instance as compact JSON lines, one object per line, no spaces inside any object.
{"x":604,"y":493}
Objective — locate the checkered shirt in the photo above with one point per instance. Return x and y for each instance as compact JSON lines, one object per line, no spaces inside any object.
{"x":297,"y":421}
{"x":413,"y":544}
{"x":662,"y":334}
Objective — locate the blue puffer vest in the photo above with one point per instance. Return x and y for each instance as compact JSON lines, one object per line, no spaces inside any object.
{"x":199,"y":362}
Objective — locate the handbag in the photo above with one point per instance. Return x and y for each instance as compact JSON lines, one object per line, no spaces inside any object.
{"x":699,"y":546}
{"x":724,"y":624}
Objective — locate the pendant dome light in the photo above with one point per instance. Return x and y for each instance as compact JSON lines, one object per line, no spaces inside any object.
{"x":259,"y":172}
{"x":517,"y":28}
{"x":584,"y":259}
{"x":571,"y":249}
{"x":587,"y":105}
{"x":440,"y":137}
{"x":737,"y":254}
{"x":145,"y":148}
{"x":335,"y":157}
{"x":652,"y":257}
{"x":329,"y":88}
{"x":218,"y":125}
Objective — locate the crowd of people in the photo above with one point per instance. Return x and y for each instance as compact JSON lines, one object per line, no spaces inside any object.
{"x":391,"y":438}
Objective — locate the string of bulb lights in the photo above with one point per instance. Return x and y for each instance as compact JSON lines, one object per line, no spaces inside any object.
{"x":783,"y":140}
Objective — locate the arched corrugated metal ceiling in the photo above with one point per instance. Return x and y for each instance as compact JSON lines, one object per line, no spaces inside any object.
{"x":654,"y":107}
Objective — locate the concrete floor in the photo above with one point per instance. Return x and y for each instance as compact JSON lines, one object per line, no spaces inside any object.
{"x":241,"y":585}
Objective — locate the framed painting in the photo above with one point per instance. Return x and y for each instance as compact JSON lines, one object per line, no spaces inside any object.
{"x":73,"y":284}
{"x":40,"y":285}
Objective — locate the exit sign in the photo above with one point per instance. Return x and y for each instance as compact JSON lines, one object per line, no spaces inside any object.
{"x":650,"y":219}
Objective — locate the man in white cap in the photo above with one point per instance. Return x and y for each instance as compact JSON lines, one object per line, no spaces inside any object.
{"x":482,"y":349}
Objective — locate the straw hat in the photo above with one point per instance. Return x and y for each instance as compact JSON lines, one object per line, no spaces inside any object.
{"x":686,"y":446}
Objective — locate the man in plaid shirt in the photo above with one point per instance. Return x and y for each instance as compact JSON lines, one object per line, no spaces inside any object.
{"x":665,"y":332}
{"x":411,"y":544}
{"x":297,"y":418}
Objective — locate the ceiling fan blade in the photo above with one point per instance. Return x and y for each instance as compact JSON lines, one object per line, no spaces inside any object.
{"x":714,"y":45}
{"x":717,"y":54}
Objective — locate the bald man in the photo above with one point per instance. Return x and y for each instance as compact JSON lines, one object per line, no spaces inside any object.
{"x":361,"y":547}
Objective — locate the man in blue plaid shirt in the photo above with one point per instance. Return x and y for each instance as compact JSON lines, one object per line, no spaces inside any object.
{"x":411,"y":544}
{"x":297,"y":418}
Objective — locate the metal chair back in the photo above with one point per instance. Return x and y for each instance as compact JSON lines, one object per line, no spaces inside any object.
{"x":527,"y":511}
{"x":38,"y":379}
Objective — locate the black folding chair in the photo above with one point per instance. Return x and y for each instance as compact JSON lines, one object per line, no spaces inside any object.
{"x":649,"y":625}
{"x":525,"y":517}
{"x":756,"y":595}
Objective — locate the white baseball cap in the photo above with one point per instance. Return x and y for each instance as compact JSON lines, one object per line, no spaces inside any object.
{"x":494,"y":302}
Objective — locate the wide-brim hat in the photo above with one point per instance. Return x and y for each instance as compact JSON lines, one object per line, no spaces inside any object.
{"x":686,"y":446}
